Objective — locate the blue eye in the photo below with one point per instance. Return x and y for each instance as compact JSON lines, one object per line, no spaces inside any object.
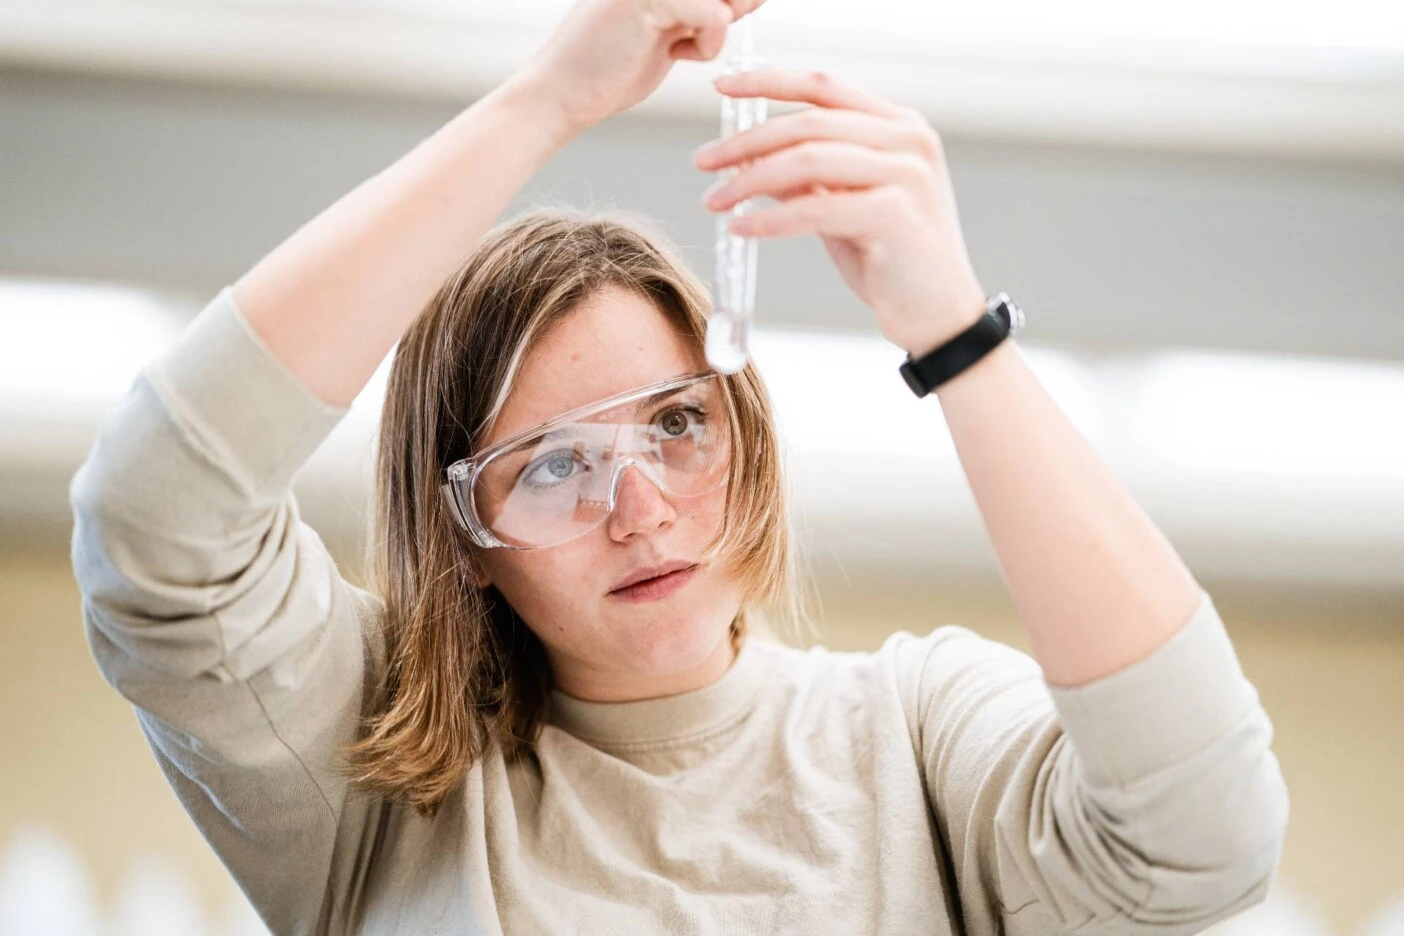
{"x":551,"y":470}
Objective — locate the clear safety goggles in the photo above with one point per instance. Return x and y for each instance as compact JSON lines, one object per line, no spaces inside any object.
{"x":558,"y":481}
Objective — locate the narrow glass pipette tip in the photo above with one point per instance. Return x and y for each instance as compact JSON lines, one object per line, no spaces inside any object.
{"x":734,"y":295}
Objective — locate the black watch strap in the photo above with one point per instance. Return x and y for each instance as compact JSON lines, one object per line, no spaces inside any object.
{"x":1001,"y":320}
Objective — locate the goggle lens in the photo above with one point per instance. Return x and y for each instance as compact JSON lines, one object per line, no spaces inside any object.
{"x":553,"y":487}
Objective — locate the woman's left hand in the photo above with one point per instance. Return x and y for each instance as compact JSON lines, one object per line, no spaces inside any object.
{"x":870,"y":179}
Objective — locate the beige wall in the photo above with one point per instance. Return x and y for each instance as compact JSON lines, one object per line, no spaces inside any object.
{"x":1331,"y":678}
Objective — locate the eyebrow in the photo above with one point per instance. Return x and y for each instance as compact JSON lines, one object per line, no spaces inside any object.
{"x":659,"y":397}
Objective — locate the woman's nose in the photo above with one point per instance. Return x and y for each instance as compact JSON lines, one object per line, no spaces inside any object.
{"x":639,"y":504}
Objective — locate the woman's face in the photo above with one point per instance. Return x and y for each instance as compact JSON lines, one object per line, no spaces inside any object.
{"x":602,"y":646}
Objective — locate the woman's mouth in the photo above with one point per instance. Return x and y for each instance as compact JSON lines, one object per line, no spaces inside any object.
{"x":655,"y":588}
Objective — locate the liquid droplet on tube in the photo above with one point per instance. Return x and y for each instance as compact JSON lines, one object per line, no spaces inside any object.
{"x":726,"y":345}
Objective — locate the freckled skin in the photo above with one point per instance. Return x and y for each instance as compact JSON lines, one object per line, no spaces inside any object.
{"x":600,"y":647}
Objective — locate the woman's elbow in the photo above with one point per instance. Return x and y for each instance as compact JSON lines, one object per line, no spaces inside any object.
{"x":1235,"y":862}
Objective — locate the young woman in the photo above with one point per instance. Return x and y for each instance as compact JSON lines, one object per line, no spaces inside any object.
{"x":551,"y":713}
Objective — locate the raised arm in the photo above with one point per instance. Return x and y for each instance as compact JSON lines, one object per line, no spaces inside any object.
{"x":1143,"y":803}
{"x":1125,"y":783}
{"x":208,"y":603}
{"x":331,"y":300}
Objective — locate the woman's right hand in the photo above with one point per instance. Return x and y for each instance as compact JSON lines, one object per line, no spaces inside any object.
{"x":608,"y":55}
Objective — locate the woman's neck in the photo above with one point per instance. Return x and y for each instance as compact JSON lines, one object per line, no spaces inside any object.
{"x":595,"y":684}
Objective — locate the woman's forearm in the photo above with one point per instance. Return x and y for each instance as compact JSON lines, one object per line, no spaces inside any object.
{"x":332,"y":299}
{"x":1094,"y":581}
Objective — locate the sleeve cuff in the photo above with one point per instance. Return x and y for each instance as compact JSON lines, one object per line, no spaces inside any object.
{"x":229,"y":392}
{"x":1160,"y":710}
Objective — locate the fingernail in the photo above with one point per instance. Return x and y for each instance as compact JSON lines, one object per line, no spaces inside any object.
{"x":710,"y":195}
{"x":706,"y":151}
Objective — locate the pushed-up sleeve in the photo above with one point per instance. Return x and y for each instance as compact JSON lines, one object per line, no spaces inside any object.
{"x":1144,"y":802}
{"x":219,"y":614}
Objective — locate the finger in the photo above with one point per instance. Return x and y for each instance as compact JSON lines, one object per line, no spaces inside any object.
{"x":700,"y":14}
{"x":695,"y":48}
{"x":685,"y":49}
{"x":812,"y":87}
{"x":703,"y":25}
{"x":711,"y":39}
{"x":827,"y":163}
{"x":820,"y":123}
{"x":802,"y":190}
{"x":851,"y":215}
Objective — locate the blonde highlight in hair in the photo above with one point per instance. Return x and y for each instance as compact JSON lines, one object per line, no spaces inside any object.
{"x":462,"y":671}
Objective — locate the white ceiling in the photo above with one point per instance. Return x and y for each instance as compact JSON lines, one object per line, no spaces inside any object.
{"x":1243,"y":76}
{"x":1187,"y":33}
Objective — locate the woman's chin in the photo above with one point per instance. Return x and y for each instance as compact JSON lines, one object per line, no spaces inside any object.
{"x":674,"y":644}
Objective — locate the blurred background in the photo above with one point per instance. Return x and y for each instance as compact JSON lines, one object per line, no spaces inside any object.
{"x":1199,"y":204}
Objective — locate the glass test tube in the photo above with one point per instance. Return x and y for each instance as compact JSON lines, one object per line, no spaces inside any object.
{"x":734,"y":295}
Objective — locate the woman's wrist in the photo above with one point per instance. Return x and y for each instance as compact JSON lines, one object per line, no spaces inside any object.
{"x":534,"y":94}
{"x":919,"y":334}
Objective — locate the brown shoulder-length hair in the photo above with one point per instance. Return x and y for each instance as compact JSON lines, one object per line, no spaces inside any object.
{"x":462,"y":672}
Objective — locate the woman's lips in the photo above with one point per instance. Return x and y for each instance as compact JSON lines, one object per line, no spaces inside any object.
{"x":655,"y":588}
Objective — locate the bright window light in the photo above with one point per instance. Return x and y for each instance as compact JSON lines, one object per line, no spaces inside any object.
{"x":866,"y":407}
{"x":66,"y":342}
{"x":844,"y":414}
{"x":1266,"y":415}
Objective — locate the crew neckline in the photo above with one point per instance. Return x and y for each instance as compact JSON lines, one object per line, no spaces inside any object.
{"x":675,"y":718}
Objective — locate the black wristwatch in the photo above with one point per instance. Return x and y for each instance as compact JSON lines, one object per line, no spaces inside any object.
{"x":1002,"y":319}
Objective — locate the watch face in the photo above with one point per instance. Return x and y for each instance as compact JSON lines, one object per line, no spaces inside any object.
{"x":1016,"y":318}
{"x":1012,"y":310}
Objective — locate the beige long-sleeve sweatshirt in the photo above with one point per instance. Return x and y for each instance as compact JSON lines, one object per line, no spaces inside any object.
{"x":938,"y":785}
